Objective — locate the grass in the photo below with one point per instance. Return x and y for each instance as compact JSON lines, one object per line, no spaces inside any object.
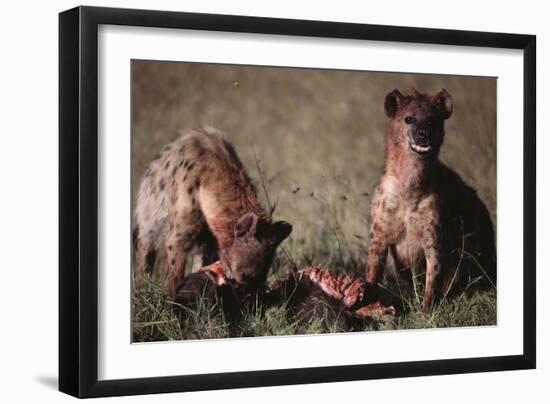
{"x":313,"y":140}
{"x":154,"y":319}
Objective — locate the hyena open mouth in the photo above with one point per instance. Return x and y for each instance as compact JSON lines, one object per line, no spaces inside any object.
{"x":426,"y":150}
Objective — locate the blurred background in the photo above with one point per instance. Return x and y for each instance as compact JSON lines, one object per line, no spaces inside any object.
{"x":313,"y":140}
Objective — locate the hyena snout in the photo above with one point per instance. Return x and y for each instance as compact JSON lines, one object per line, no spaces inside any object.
{"x":421,"y":137}
{"x":253,"y":249}
{"x":424,"y":142}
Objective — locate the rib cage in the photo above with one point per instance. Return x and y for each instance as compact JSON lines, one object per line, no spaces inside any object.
{"x":346,"y":288}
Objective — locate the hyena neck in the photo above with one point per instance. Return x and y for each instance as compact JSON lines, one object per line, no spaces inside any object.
{"x":414,"y":174}
{"x":223,"y":228}
{"x":223,"y":203}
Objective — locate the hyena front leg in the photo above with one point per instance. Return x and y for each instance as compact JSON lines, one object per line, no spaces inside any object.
{"x":433,"y":267}
{"x":376,"y":258}
{"x":206,"y":251}
{"x":179,"y":243}
{"x":431,"y":243}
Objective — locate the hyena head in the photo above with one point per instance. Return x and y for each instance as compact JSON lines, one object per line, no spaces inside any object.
{"x":251,"y":254}
{"x":417,"y":121}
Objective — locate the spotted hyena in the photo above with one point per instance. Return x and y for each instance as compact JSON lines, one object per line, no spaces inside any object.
{"x":196,"y":197}
{"x":423,"y":216}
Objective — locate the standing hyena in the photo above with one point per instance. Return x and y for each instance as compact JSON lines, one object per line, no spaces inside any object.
{"x":423,"y":215}
{"x":197,"y":197}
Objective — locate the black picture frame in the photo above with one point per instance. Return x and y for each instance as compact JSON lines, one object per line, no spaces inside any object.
{"x":78,"y":201}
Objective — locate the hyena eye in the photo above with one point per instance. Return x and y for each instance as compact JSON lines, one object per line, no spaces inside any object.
{"x":410,"y":120}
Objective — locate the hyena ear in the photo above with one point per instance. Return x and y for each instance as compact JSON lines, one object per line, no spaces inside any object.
{"x":246,"y":225}
{"x":443,"y":103}
{"x":392,"y":103}
{"x":281,"y":230}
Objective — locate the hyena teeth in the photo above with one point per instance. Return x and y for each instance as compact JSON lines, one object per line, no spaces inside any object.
{"x":421,"y":149}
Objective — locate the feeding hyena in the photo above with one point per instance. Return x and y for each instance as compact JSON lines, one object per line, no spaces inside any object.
{"x":423,"y":216}
{"x":196,"y":197}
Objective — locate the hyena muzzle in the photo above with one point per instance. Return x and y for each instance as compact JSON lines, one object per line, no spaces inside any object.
{"x":196,"y":197}
{"x":423,"y":216}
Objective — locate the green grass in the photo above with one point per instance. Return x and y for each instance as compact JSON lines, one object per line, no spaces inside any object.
{"x":313,"y":141}
{"x":155,"y":320}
